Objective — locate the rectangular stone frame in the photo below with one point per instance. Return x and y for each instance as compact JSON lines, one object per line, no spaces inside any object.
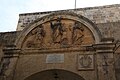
{"x":85,"y":64}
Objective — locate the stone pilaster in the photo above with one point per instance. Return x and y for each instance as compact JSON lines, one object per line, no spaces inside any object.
{"x":105,"y":59}
{"x":8,"y":63}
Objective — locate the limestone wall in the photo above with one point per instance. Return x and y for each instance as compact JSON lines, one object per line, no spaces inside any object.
{"x":101,"y":14}
{"x":7,"y":39}
{"x":110,"y":29}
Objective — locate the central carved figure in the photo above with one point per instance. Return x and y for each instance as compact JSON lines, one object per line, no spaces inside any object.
{"x":57,"y":30}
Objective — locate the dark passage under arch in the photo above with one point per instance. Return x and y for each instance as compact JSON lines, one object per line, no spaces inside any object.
{"x":55,"y":74}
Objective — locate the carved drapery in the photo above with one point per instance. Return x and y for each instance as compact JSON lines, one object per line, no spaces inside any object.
{"x":37,"y":37}
{"x":59,"y":33}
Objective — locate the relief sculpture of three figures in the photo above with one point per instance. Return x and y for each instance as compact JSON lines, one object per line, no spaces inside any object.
{"x":62,"y":33}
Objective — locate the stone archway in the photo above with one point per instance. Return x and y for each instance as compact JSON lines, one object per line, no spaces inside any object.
{"x":54,"y":42}
{"x":55,"y":74}
{"x":68,"y":23}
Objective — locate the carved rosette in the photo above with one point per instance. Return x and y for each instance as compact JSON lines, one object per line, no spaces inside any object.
{"x":59,"y":33}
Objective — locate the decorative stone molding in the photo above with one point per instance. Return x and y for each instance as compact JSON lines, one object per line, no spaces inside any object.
{"x":67,"y":19}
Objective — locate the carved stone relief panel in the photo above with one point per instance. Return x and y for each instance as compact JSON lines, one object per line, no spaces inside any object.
{"x":59,"y":33}
{"x":36,"y":39}
{"x":85,"y":62}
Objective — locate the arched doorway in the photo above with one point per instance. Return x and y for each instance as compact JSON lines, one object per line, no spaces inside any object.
{"x":55,"y":74}
{"x":55,"y":41}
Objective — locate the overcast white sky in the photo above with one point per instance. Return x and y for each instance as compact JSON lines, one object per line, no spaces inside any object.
{"x":10,"y":9}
